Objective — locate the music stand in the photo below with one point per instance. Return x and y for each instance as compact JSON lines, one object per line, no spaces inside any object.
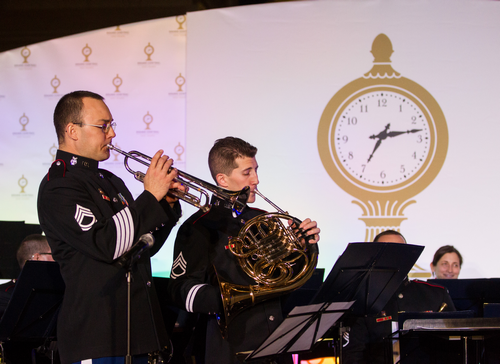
{"x":32,"y":310}
{"x":366,"y":273}
{"x":302,"y":328}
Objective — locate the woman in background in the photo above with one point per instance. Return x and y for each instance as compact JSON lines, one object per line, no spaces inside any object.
{"x":447,"y":263}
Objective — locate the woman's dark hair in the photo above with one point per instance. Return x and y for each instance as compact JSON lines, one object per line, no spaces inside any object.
{"x":444,"y":250}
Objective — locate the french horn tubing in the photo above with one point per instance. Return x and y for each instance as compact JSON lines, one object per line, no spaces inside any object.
{"x":270,"y":251}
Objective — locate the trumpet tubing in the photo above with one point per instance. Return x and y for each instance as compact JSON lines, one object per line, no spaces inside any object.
{"x":202,"y":201}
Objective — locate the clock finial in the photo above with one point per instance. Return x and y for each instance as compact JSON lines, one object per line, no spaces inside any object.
{"x":382,"y":51}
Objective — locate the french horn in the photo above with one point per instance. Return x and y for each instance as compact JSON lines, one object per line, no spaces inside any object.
{"x":274,"y":255}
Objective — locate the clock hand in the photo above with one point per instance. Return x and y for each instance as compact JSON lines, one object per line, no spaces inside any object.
{"x":380,"y":136}
{"x":374,"y":149}
{"x":396,"y":133}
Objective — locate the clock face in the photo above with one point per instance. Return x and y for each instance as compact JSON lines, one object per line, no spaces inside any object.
{"x":382,"y":138}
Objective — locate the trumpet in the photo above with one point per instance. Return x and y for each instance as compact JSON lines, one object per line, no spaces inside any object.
{"x":201,"y":201}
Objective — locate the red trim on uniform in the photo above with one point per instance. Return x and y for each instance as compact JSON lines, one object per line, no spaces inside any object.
{"x":195,"y":221}
{"x":57,"y":160}
{"x":432,"y":285}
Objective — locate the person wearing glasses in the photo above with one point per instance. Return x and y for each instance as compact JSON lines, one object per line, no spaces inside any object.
{"x":34,"y":247}
{"x":91,"y":221}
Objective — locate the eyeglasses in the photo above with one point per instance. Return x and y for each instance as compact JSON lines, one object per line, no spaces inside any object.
{"x":104,"y":127}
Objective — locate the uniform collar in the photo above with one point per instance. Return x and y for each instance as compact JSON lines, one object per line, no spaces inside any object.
{"x":221,"y":203}
{"x":77,"y":161}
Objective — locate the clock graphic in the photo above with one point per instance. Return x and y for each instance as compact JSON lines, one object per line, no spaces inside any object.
{"x":383,"y":139}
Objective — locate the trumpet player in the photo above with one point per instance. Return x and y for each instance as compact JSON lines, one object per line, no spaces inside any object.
{"x":202,"y":249}
{"x":91,"y":222}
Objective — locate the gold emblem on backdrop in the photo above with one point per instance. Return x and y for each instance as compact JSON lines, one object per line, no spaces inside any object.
{"x":53,"y":151}
{"x":24,"y":120}
{"x":55,"y":83}
{"x":115,"y":153}
{"x":147,"y":119}
{"x":86,"y":51}
{"x":179,"y":150}
{"x":383,"y":139}
{"x":149,"y":50}
{"x":180,"y":19}
{"x":180,"y":81}
{"x":117,"y":82}
{"x":25,"y":53}
{"x":22,"y":182}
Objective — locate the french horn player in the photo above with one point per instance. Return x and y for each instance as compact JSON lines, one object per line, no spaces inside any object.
{"x":220,"y":270}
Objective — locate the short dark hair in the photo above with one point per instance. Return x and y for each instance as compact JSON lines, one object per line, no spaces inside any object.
{"x":68,"y":110}
{"x":223,"y":154}
{"x":388,"y":232}
{"x":444,"y":250}
{"x":31,"y":245}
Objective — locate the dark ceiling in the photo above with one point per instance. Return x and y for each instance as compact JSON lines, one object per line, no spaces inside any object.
{"x":24,"y":22}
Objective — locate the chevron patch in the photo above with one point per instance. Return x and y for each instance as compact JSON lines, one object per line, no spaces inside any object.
{"x":84,"y":217}
{"x":178,"y":267}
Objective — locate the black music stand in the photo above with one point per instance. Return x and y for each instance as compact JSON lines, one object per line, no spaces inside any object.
{"x":367,"y":273}
{"x":31,"y":314}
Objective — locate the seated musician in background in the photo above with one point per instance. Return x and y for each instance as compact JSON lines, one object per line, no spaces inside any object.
{"x":367,"y":341}
{"x":447,"y":263}
{"x":201,"y":251}
{"x":33,"y":247}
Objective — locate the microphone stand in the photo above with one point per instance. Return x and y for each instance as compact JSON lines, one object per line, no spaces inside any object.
{"x":128,"y":357}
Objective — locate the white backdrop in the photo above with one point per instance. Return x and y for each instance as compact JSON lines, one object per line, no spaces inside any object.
{"x":139,"y":69}
{"x":265,"y":73}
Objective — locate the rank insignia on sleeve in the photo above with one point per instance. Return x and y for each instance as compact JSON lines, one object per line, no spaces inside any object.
{"x":103,"y":194}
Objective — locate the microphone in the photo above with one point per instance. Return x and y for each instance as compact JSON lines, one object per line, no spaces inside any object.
{"x":144,"y":243}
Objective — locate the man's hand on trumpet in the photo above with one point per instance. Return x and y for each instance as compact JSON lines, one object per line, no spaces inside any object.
{"x":158,"y":179}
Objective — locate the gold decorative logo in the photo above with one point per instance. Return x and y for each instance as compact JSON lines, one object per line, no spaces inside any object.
{"x":180,"y":81}
{"x":179,"y":150}
{"x":25,"y":53}
{"x":55,"y":83}
{"x":53,"y":151}
{"x":117,"y":82}
{"x":22,"y":182}
{"x":149,"y":50}
{"x":383,"y":139}
{"x":115,"y":153}
{"x":147,"y":119}
{"x":180,"y":19}
{"x":24,"y":120}
{"x":86,"y":51}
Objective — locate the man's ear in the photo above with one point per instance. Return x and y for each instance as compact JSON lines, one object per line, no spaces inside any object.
{"x":432,"y":268}
{"x":221,"y":179}
{"x":71,"y":131}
